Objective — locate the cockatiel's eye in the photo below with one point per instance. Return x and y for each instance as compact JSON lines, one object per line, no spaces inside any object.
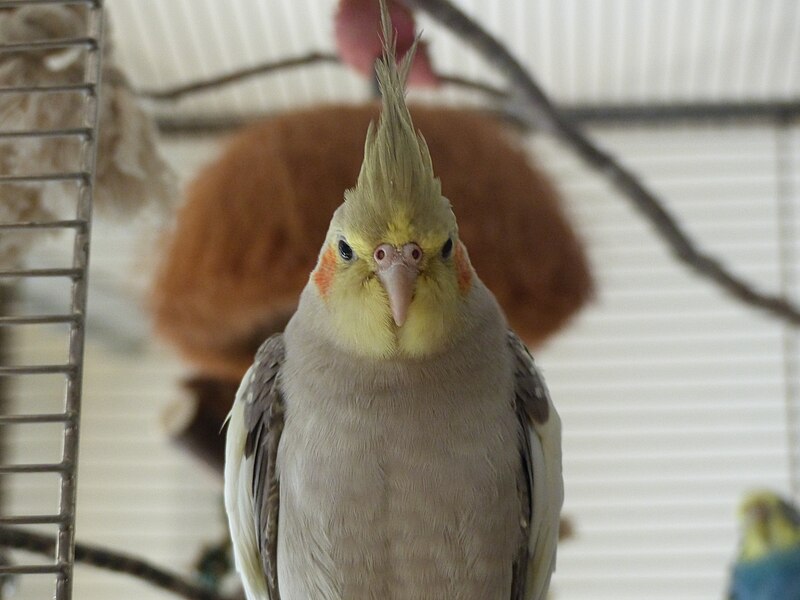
{"x":447,"y":248}
{"x":345,"y":251}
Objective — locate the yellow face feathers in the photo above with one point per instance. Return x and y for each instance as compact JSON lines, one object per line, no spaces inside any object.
{"x":359,"y":308}
{"x":392,"y":273}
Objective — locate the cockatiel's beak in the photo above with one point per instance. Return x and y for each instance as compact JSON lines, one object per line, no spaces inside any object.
{"x":398,"y":268}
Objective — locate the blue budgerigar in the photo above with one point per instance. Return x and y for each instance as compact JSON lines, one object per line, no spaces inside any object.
{"x":768,"y":565}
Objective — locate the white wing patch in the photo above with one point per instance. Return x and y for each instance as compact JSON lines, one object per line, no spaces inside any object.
{"x":239,"y":503}
{"x":547,"y":499}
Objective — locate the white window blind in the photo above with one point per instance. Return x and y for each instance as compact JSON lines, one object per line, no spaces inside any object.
{"x":675,"y":399}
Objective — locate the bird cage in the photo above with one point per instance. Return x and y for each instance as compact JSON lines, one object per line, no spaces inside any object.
{"x":675,"y":398}
{"x":57,"y":478}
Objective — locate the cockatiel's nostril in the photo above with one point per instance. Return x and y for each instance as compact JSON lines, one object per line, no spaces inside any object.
{"x":412,"y":254}
{"x":384,"y":255}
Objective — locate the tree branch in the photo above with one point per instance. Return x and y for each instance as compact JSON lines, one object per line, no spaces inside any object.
{"x":545,"y":116}
{"x":200,"y":85}
{"x":29,"y":541}
{"x":265,"y":68}
{"x":476,"y":86}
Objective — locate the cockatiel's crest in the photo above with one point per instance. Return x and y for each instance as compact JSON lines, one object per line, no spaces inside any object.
{"x":396,"y":183}
{"x":393,"y":274}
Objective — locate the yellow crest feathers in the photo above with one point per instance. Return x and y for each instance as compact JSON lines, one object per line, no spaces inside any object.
{"x":396,"y":180}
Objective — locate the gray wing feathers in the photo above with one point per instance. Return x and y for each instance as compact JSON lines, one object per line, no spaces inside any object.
{"x":541,"y":485}
{"x":532,"y":396}
{"x":524,"y":489}
{"x":263,"y":417}
{"x":251,"y":483}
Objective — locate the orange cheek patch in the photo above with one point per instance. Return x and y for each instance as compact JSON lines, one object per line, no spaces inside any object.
{"x":323,"y":275}
{"x":463,"y":269}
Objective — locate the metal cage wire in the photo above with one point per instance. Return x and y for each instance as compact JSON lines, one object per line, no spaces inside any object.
{"x":61,"y":566}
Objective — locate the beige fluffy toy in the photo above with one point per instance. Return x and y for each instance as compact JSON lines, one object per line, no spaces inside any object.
{"x":131,"y":175}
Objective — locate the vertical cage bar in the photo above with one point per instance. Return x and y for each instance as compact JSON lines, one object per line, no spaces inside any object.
{"x":65,"y":544}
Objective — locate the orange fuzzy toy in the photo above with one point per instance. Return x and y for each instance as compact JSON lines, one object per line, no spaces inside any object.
{"x":249,"y":232}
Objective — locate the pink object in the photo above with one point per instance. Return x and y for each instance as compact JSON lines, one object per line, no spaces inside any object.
{"x":357,"y":27}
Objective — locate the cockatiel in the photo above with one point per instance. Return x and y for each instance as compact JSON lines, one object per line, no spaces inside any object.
{"x":396,"y":441}
{"x":768,"y":566}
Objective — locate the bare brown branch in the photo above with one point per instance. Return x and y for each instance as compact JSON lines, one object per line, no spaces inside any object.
{"x":477,"y":86}
{"x":545,"y":116}
{"x":29,"y":541}
{"x":202,"y":85}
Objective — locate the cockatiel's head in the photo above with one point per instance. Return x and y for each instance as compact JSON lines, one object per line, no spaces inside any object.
{"x":769,"y":524}
{"x":393,"y":275}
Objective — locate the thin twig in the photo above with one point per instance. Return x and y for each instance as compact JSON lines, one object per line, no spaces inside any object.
{"x":110,"y":560}
{"x":202,"y":85}
{"x":545,"y":116}
{"x":477,"y":86}
{"x":175,"y":93}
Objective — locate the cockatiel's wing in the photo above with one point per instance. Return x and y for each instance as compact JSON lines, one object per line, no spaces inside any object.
{"x":541,"y":487}
{"x":251,"y":485}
